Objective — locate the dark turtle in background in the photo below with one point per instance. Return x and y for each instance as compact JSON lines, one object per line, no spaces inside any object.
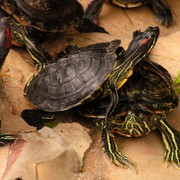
{"x":30,"y":20}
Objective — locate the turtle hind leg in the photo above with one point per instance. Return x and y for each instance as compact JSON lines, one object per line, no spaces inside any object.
{"x":111,"y":149}
{"x":93,"y":10}
{"x":89,"y":21}
{"x":40,"y":56}
{"x":171,"y":139}
{"x":162,"y":11}
{"x":86,"y":26}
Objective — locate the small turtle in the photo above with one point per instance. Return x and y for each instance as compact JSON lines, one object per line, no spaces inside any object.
{"x":29,"y":19}
{"x":143,"y":103}
{"x":5,"y":44}
{"x":88,"y":74}
{"x":160,"y":8}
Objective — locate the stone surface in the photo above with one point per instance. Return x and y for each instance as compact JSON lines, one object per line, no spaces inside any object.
{"x":45,"y":151}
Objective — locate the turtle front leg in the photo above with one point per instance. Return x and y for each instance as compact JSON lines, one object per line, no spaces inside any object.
{"x":108,"y":142}
{"x":40,"y":56}
{"x":171,"y":139}
{"x":162,"y":11}
{"x":111,"y":149}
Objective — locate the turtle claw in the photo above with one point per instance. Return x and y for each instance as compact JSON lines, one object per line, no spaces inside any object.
{"x":124,"y":162}
{"x":176,"y":165}
{"x":162,"y":11}
{"x":171,"y":139}
{"x":172,"y":146}
{"x":165,"y":21}
{"x":111,"y":149}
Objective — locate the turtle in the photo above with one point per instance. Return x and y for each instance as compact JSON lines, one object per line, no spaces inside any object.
{"x":31,"y":21}
{"x":144,"y":101}
{"x":161,"y":9}
{"x":88,"y":73}
{"x":5,"y":44}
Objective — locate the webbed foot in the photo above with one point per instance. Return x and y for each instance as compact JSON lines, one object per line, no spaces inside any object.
{"x":89,"y":21}
{"x":171,"y":139}
{"x":112,"y":151}
{"x":172,"y":153}
{"x":162,"y":11}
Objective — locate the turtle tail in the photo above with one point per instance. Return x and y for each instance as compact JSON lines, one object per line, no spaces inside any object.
{"x":171,"y":139}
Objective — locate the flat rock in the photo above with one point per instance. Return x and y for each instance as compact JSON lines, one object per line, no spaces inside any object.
{"x":45,"y":151}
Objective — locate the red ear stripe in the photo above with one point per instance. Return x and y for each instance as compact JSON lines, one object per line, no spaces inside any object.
{"x":145,"y":41}
{"x":8,"y":37}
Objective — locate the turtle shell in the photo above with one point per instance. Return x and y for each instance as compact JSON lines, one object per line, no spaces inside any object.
{"x":128,"y":3}
{"x":45,"y":15}
{"x":73,"y":79}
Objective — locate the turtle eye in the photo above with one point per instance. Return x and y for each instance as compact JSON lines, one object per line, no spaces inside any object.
{"x":144,"y":41}
{"x":119,"y":52}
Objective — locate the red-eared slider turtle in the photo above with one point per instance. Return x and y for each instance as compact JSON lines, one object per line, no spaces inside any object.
{"x":160,"y":8}
{"x":5,"y":44}
{"x":87,"y":74}
{"x":47,"y":16}
{"x":143,"y":103}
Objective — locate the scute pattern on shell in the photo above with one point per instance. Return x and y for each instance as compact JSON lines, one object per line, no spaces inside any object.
{"x":73,"y":79}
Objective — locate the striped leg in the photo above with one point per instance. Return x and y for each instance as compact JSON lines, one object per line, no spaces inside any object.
{"x":6,"y":138}
{"x":171,"y":139}
{"x":40,"y":56}
{"x":112,"y":151}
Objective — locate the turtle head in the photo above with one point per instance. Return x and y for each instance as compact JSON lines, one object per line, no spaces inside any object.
{"x":5,"y":41}
{"x":142,"y":42}
{"x":140,"y":45}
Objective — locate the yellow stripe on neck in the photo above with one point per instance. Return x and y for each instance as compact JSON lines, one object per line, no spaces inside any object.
{"x":125,"y":79}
